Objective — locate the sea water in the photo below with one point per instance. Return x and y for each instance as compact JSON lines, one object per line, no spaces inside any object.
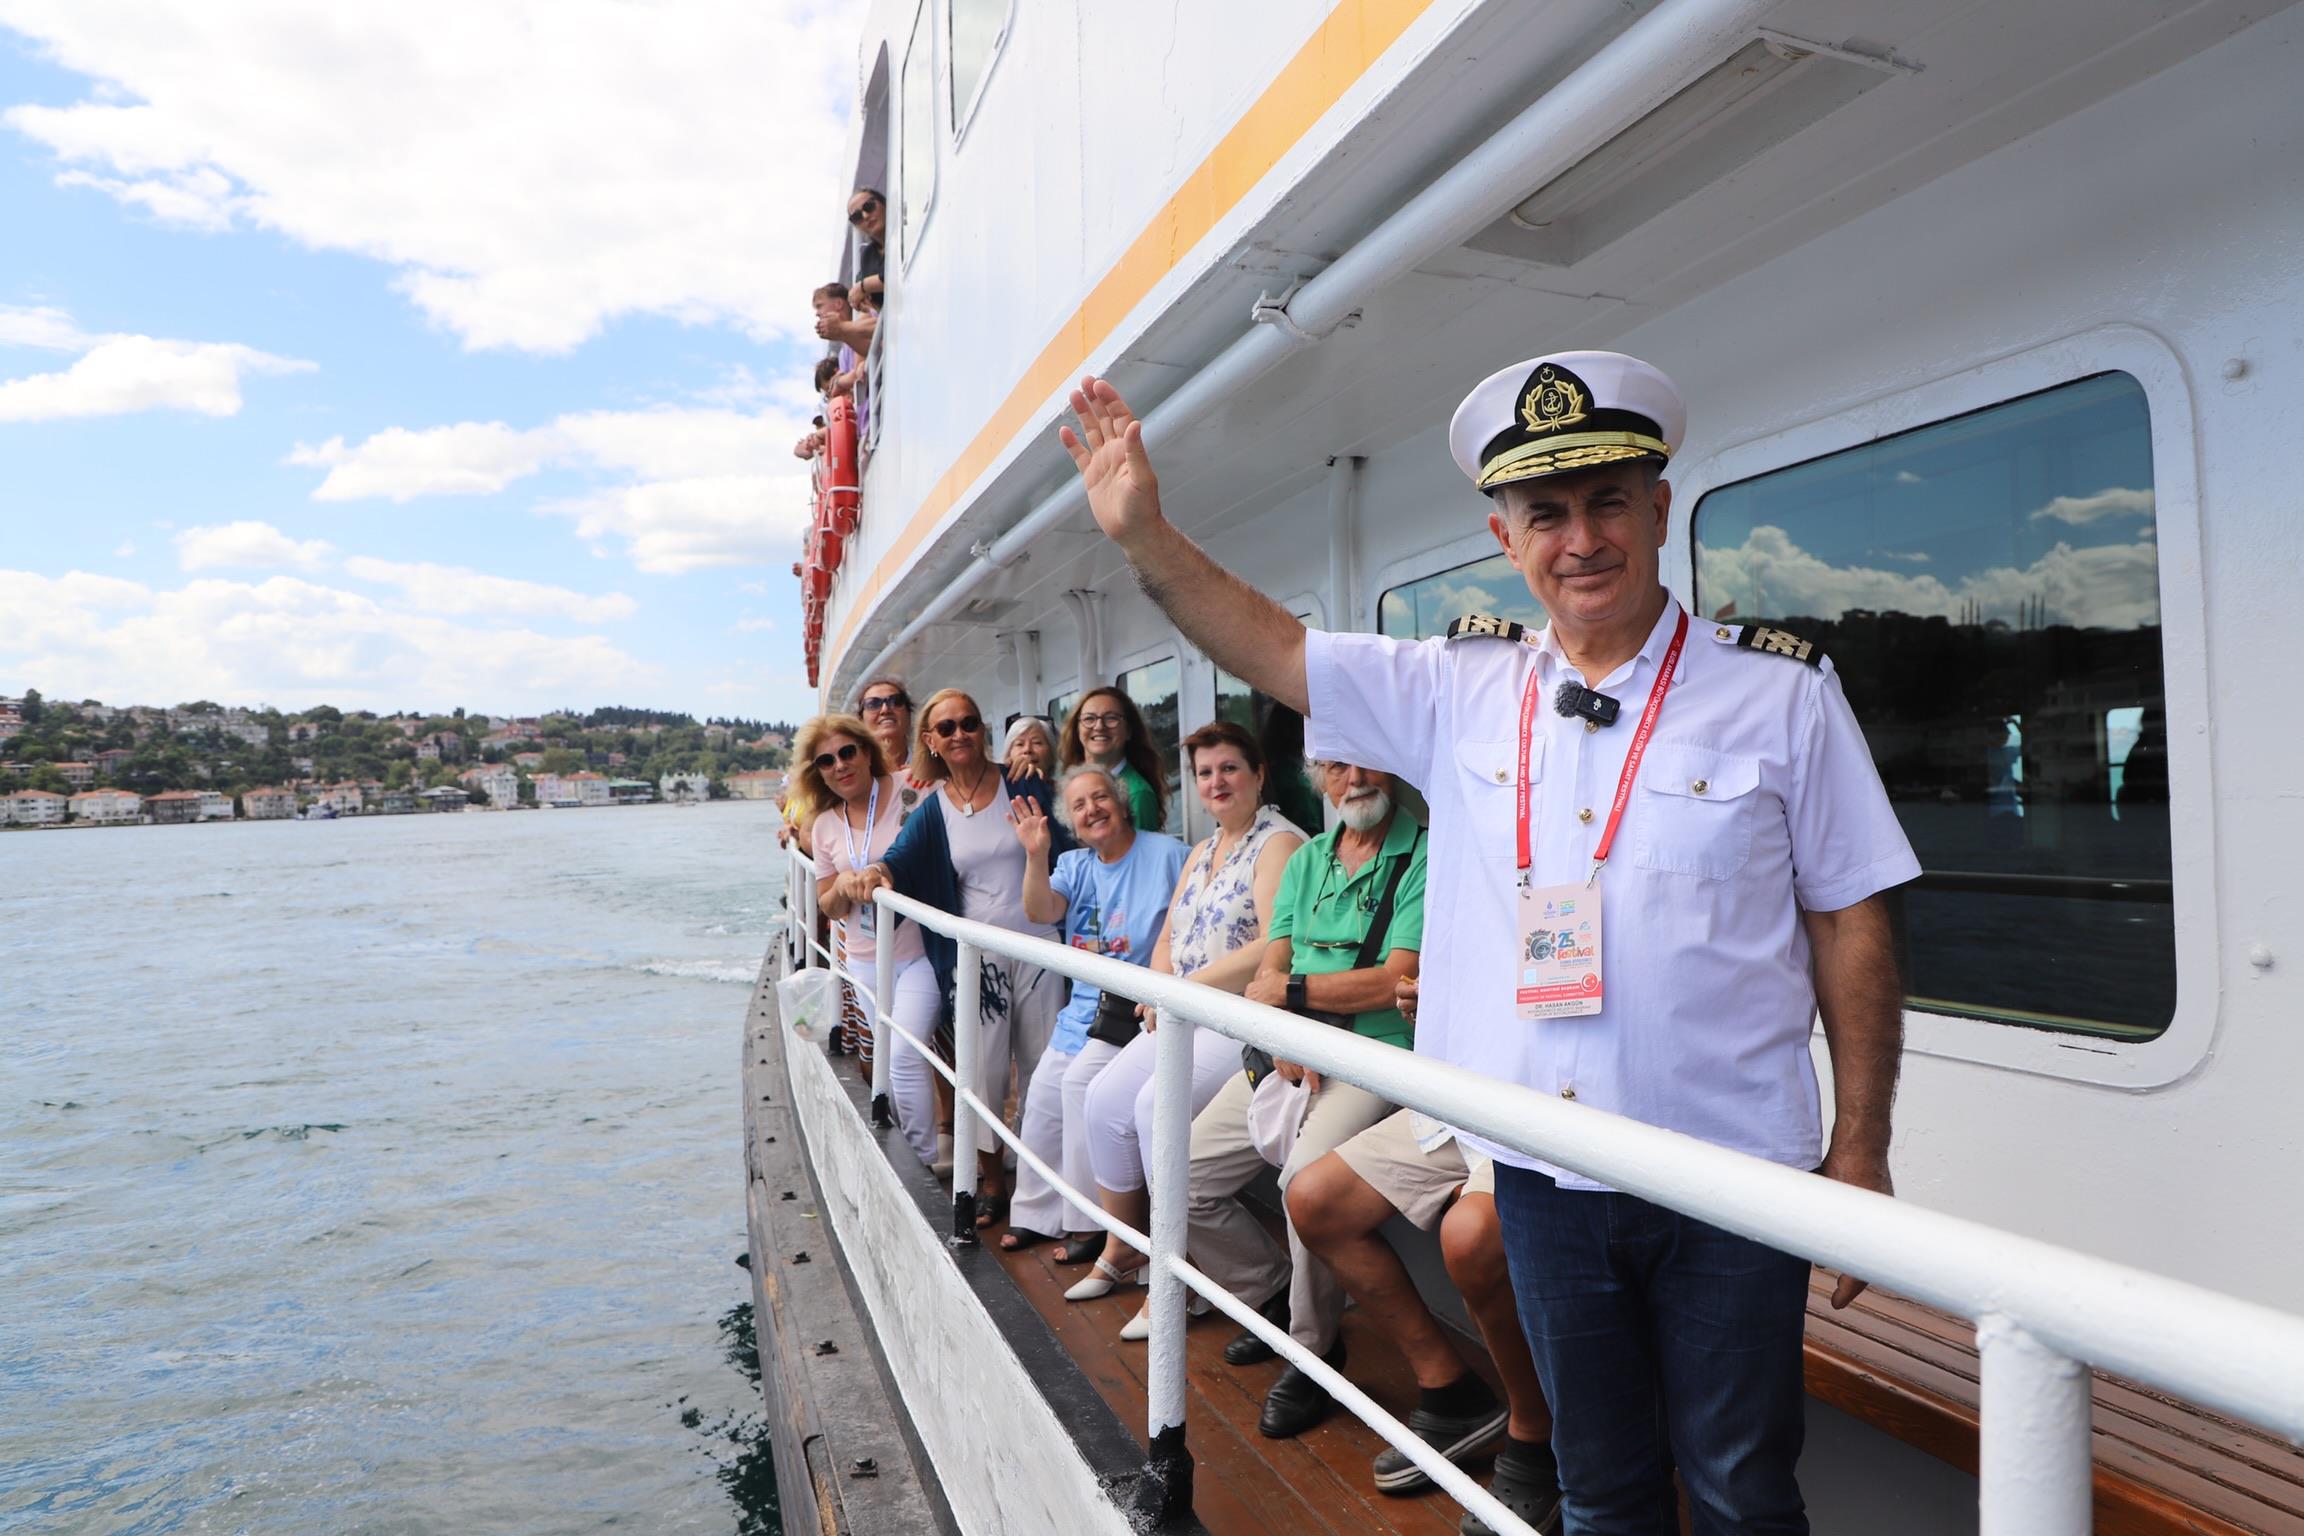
{"x":379,"y":1175}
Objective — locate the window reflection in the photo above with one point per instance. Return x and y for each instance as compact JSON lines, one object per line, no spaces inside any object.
{"x":1427,"y":606}
{"x":1988,"y":590}
{"x":916,"y":128}
{"x":1279,"y":731}
{"x":1154,"y":688}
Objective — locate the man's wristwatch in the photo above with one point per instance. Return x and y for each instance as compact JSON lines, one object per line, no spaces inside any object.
{"x":1297,"y":1001}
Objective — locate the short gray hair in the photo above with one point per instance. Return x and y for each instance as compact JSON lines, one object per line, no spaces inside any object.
{"x":1097,"y":770}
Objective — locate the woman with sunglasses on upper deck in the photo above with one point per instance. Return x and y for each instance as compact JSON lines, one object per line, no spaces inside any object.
{"x":852,"y":812}
{"x":959,"y":855}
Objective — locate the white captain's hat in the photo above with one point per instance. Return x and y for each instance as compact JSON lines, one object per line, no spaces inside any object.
{"x":1571,"y":410}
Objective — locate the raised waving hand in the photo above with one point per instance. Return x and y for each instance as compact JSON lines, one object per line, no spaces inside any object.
{"x":1031,"y":824}
{"x":1123,"y":493}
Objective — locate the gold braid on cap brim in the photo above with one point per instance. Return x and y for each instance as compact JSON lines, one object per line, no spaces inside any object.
{"x":1578,"y":450}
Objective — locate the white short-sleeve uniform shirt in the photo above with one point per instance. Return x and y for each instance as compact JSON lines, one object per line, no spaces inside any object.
{"x":1757,"y":798}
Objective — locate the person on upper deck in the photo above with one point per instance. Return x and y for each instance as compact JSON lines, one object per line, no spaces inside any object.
{"x":1110,"y":896}
{"x":1747,"y":897}
{"x":1106,"y":728}
{"x":958,"y":854}
{"x":1347,"y":925}
{"x":1217,"y":928}
{"x":868,"y":216}
{"x":838,"y":322}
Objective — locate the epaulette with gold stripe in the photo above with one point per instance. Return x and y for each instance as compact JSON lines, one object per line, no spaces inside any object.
{"x":1772,"y":642}
{"x":1486,"y":626}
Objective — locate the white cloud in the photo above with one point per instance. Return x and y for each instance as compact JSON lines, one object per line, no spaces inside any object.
{"x":1903,"y":556}
{"x":41,"y":326}
{"x":451,"y":589}
{"x":290,"y":641}
{"x":473,"y":458}
{"x":127,"y":548}
{"x":532,"y":168}
{"x":248,"y":546}
{"x":671,"y":526}
{"x":752,"y":626}
{"x":118,"y":375}
{"x":2080,"y":511}
{"x":2105,"y":585}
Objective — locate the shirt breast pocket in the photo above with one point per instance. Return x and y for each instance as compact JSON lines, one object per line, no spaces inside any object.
{"x":1693,"y":814}
{"x":1486,"y":773}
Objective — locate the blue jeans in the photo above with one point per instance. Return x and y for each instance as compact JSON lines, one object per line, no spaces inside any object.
{"x":1661,"y":1341}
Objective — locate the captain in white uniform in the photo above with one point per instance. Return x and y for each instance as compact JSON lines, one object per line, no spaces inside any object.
{"x":1660,"y":853}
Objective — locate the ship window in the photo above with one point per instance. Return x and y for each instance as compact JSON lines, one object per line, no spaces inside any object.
{"x":1154,"y":688}
{"x":916,"y":125}
{"x":1988,"y":590}
{"x":1427,"y":606}
{"x":1061,"y":706}
{"x":974,"y":31}
{"x":1279,"y":730}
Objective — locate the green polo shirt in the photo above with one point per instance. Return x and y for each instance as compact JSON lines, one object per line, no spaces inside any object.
{"x":1145,"y":810}
{"x":1324,"y":913}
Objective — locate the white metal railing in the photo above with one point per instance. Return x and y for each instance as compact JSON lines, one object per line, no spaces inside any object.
{"x":2044,"y":1314}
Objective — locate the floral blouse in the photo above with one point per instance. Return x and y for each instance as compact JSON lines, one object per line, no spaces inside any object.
{"x":1216,"y":906}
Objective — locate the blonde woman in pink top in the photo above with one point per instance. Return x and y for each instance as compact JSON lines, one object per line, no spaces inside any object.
{"x":843,"y":778}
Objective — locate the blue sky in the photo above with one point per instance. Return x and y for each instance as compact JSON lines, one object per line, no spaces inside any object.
{"x":412,"y":356}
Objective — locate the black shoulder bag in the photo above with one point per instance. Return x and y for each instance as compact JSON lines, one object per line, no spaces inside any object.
{"x":1256,"y":1062}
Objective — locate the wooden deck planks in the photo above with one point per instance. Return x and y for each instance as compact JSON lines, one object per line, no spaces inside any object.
{"x":1318,"y":1482}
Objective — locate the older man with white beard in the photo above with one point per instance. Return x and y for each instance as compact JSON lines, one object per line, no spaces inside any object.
{"x":1346,"y":928}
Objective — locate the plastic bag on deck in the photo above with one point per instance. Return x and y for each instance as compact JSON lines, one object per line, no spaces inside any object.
{"x":809,"y":1001}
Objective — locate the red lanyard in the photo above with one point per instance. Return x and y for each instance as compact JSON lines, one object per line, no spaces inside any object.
{"x":1639,"y":749}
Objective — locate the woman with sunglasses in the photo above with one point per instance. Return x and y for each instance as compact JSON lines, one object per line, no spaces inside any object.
{"x":1215,"y":934}
{"x":1107,"y":729}
{"x":850,"y":799}
{"x":958,"y":855}
{"x":886,"y":710}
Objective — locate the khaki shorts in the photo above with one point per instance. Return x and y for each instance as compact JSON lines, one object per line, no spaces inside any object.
{"x":1420,"y":1184}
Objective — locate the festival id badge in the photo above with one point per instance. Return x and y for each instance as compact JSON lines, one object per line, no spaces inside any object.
{"x":1557,"y":967}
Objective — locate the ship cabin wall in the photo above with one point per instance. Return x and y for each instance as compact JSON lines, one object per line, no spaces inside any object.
{"x":2152,"y":232}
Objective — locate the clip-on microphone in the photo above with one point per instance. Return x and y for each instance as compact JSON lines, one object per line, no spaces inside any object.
{"x":1578,"y":702}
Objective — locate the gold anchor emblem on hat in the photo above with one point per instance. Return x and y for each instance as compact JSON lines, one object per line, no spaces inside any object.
{"x":1552,"y":402}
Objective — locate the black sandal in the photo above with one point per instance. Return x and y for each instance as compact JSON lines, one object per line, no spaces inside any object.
{"x":1080,"y":1250}
{"x":1017,"y":1239}
{"x":991,"y":1210}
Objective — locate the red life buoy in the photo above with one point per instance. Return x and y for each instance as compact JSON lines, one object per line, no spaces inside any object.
{"x":840,"y":470}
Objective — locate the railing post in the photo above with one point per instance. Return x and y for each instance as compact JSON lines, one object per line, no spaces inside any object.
{"x":883,"y":1001}
{"x":797,"y":885}
{"x":1167,"y":1491}
{"x":967,"y":1014}
{"x":2035,"y":1469}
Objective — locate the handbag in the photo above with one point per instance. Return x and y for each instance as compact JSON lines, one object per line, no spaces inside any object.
{"x":1115,"y":1022}
{"x":1256,"y":1063}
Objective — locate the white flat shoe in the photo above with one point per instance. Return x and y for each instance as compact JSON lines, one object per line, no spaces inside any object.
{"x":1139,"y":1327}
{"x":942,"y":1167}
{"x":1104,"y":1279}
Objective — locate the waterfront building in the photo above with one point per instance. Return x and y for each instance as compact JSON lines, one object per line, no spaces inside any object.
{"x":172,"y":806}
{"x":447,"y":797}
{"x":630,"y":792}
{"x":106,"y":806}
{"x":345,"y":798}
{"x":571,"y":790}
{"x":755,"y":784}
{"x":679,"y":787}
{"x":271,"y":804}
{"x":35,"y":808}
{"x":500,"y":784}
{"x":78,"y":775}
{"x":215,"y":805}
{"x":391,"y":802}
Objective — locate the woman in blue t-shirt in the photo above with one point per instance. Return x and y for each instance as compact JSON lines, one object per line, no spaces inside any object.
{"x":1111,"y":896}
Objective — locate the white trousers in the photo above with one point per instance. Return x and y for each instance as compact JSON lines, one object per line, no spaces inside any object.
{"x":1020,"y":1004}
{"x":1056,"y":1129}
{"x":911,"y":1081}
{"x":1120,"y":1104}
